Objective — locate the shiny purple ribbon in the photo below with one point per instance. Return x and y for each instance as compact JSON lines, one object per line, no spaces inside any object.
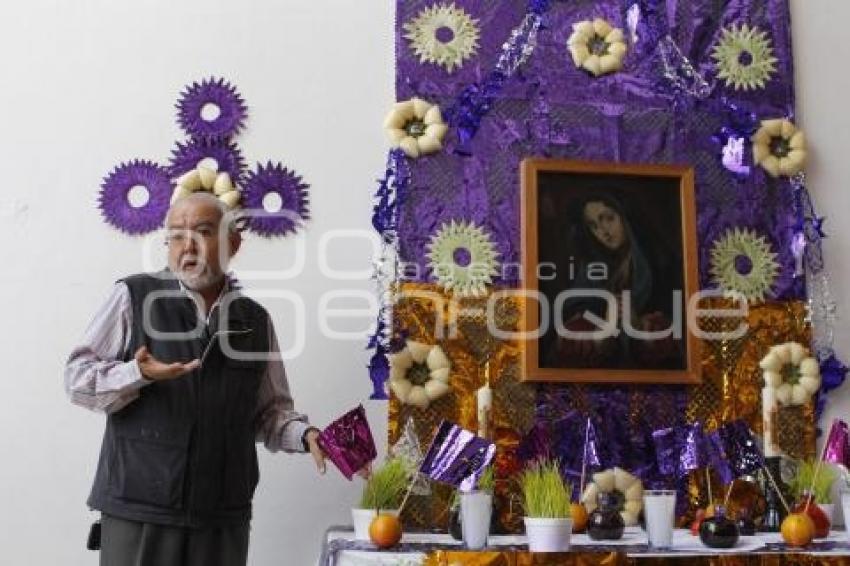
{"x":457,"y":457}
{"x":348,"y":442}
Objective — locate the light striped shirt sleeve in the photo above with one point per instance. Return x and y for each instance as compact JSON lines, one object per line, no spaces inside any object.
{"x":279,"y":425}
{"x":95,"y":375}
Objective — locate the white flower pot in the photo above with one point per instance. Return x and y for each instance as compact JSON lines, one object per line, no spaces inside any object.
{"x":548,"y":535}
{"x":476,"y":510}
{"x":362,"y":518}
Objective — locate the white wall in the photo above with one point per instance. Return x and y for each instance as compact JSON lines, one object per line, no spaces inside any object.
{"x":86,"y":84}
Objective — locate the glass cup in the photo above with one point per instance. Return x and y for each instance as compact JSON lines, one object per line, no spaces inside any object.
{"x":476,"y":508}
{"x":845,"y":508}
{"x":659,"y":508}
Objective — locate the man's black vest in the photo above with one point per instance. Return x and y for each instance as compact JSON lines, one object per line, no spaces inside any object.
{"x":184,"y":452}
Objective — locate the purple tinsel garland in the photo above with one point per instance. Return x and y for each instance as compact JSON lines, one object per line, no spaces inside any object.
{"x":389,"y":198}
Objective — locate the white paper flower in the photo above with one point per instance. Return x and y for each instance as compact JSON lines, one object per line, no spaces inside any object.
{"x":419,"y":374}
{"x":792,"y":372}
{"x":744,"y":58}
{"x":597,"y":47}
{"x":444,"y":35}
{"x":627,"y":489}
{"x":779,"y":147}
{"x":205,"y":179}
{"x":742,"y":262}
{"x":416,"y":126}
{"x":463,"y":258}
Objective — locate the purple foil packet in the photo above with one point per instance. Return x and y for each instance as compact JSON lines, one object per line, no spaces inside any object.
{"x":348,"y":442}
{"x":457,"y":457}
{"x":837,"y":447}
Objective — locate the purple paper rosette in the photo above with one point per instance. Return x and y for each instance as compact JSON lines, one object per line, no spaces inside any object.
{"x":187,"y":155}
{"x":274,"y":178}
{"x":115,"y":190}
{"x":220,"y":94}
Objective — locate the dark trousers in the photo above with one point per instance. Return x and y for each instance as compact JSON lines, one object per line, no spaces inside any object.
{"x":129,"y":543}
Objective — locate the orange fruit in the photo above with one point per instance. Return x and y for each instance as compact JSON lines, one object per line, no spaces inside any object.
{"x":579,"y":515}
{"x":798,"y":529}
{"x":385,"y":530}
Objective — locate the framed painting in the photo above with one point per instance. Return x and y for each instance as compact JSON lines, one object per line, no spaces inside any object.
{"x":609,"y":262}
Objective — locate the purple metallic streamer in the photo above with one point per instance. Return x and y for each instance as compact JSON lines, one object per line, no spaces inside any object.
{"x":833,"y":373}
{"x":476,"y":100}
{"x":457,"y":457}
{"x":808,"y":225}
{"x":390,"y":196}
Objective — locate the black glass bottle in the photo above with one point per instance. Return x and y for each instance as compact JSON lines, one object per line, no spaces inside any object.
{"x":605,"y":522}
{"x":719,"y":531}
{"x":774,"y":513}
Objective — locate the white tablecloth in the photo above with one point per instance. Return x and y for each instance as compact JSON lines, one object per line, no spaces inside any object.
{"x":683,"y":542}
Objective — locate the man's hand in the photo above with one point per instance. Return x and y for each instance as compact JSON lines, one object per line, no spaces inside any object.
{"x":156,"y":370}
{"x":312,"y":439}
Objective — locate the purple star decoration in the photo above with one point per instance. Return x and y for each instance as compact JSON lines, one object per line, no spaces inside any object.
{"x":228,"y":158}
{"x":115,"y":191}
{"x":274,"y":178}
{"x":215,"y":93}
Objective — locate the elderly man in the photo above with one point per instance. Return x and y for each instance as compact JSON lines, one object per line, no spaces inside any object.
{"x":188,"y":372}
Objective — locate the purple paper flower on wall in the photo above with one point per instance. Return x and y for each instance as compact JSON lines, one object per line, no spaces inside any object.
{"x":227,"y":156}
{"x":275,"y":219}
{"x":115,"y":203}
{"x":211,"y":109}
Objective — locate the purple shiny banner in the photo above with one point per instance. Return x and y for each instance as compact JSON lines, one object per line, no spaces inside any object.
{"x":457,"y":457}
{"x":348,"y":442}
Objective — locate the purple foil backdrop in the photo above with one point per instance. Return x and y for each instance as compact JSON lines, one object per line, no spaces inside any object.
{"x":552,"y":109}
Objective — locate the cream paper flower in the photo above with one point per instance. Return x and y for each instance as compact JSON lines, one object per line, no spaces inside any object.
{"x":622,"y":483}
{"x":462,"y":258}
{"x":597,"y":47}
{"x":743,"y":263}
{"x":791,"y":370}
{"x":416,"y":126}
{"x":419,"y":374}
{"x":444,"y":35}
{"x":205,"y":179}
{"x":779,"y":147}
{"x":744,"y":58}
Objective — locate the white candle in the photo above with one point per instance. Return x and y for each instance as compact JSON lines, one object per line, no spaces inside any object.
{"x":769,"y":407}
{"x":485,"y":406}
